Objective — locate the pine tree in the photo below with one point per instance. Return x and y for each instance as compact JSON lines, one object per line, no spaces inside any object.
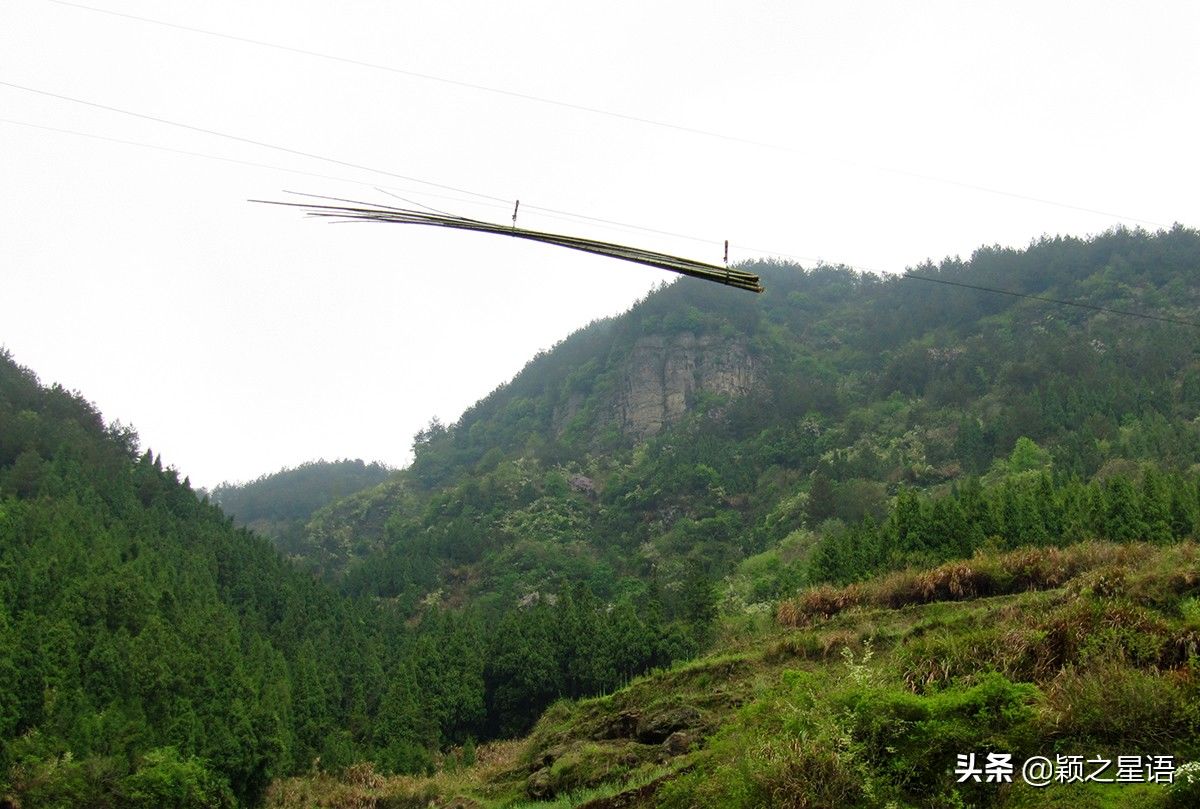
{"x":1122,"y":514}
{"x":698,"y":599}
{"x":1155,"y":505}
{"x":821,"y":498}
{"x":631,"y":641}
{"x":403,"y":731}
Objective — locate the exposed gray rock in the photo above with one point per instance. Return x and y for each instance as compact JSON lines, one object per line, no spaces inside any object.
{"x":677,"y":744}
{"x":657,"y":727}
{"x":663,"y":374}
{"x":567,"y":410}
{"x":621,"y":726}
{"x":539,"y":786}
{"x":549,"y":756}
{"x":582,"y":483}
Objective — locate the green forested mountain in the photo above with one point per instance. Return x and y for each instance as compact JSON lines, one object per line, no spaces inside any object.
{"x":278,"y":505}
{"x":153,"y":654}
{"x":705,"y":427}
{"x":148,"y":647}
{"x":876,"y":696}
{"x":973,"y":518}
{"x":657,"y":481}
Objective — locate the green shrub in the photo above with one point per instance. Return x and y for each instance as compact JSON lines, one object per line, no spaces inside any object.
{"x":164,"y":780}
{"x":1117,"y":706}
{"x":1185,"y":790}
{"x":913,"y":740}
{"x":789,"y":773}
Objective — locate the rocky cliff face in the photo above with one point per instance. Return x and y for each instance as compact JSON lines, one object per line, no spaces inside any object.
{"x":664,"y":373}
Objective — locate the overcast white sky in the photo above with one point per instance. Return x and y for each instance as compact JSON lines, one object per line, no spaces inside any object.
{"x":239,"y":338}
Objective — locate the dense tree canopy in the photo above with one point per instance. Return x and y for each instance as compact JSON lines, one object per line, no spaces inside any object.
{"x":149,"y":648}
{"x":279,"y":505}
{"x":153,"y":651}
{"x":864,"y":387}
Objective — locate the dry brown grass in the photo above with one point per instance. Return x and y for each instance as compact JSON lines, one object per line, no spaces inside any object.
{"x":497,"y":758}
{"x":360,"y":787}
{"x":1035,"y":641}
{"x":953,"y":581}
{"x":983,"y":575}
{"x":802,"y":775}
{"x":818,"y":603}
{"x":1115,"y":704}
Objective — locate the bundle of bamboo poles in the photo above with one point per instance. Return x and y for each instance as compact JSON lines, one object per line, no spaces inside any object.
{"x":366,"y":212}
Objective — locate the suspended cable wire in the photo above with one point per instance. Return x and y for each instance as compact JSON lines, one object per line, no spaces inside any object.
{"x":231,"y":160}
{"x":333,"y":160}
{"x":553,"y":213}
{"x":781,"y":147}
{"x":907,"y":275}
{"x":240,"y":139}
{"x":382,"y":172}
{"x":1061,"y":302}
{"x":365,"y":212}
{"x":564,"y":216}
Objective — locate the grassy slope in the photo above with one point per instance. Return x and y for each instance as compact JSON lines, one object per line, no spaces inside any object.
{"x":864,"y":695}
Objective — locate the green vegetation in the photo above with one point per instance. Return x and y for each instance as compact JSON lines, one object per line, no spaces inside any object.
{"x":870,"y":706}
{"x":880,"y":699}
{"x":153,"y":654}
{"x":1023,"y":508}
{"x":795,"y":550}
{"x":278,"y":506}
{"x":855,"y":391}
